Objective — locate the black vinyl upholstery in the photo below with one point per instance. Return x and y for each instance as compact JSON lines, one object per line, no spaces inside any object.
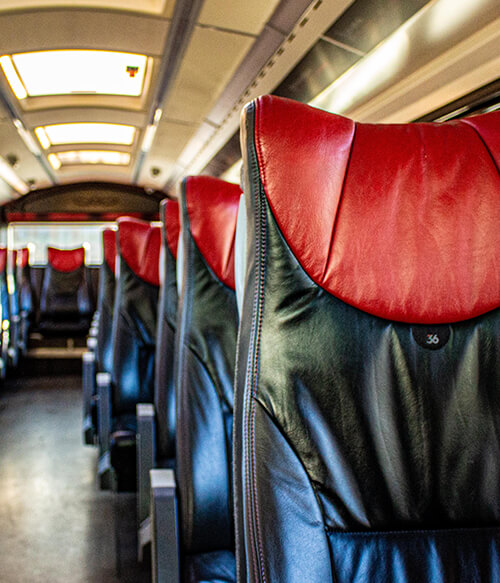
{"x":105,"y":301}
{"x":362,"y":454}
{"x":206,"y":345}
{"x":164,"y":391}
{"x":25,"y":295}
{"x":133,"y":337}
{"x":66,"y":302}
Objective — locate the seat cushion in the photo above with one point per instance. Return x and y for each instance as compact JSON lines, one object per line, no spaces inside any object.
{"x":214,"y":567}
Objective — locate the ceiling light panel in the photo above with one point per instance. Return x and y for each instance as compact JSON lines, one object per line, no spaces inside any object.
{"x":80,"y":72}
{"x":87,"y":133}
{"x":93,"y":157}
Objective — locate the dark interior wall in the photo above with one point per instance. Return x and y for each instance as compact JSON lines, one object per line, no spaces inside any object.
{"x":89,"y":201}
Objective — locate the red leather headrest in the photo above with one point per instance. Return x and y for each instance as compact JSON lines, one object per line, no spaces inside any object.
{"x":139,"y":245}
{"x":212,"y":206}
{"x":65,"y":259}
{"x":23,"y":257}
{"x":171,"y":220}
{"x":3,"y":259}
{"x":109,"y":247}
{"x":402,"y":221}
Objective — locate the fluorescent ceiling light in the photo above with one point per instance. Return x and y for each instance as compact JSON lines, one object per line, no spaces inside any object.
{"x":13,"y":78}
{"x":43,"y":138}
{"x":11,"y":178}
{"x":54,"y":161}
{"x":149,"y":135}
{"x":79,"y":72}
{"x":86,"y":133}
{"x":93,"y":157}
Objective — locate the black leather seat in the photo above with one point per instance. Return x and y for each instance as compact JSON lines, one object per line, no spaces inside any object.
{"x":206,"y":345}
{"x":133,"y":338}
{"x":25,"y":296}
{"x":5,"y":312}
{"x":164,"y":384}
{"x":368,"y":382}
{"x":66,"y":302}
{"x":105,"y":301}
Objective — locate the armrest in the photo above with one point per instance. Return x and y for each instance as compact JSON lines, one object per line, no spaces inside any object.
{"x":164,"y":527}
{"x":103,"y":380}
{"x":146,"y":458}
{"x":89,"y":389}
{"x":92,"y":343}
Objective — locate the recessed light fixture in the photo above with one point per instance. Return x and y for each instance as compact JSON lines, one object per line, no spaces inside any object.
{"x":54,"y":161}
{"x":113,"y":158}
{"x":13,"y":78}
{"x":85,"y":133}
{"x":75,"y":72}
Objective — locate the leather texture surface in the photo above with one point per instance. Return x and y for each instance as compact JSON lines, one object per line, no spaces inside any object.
{"x":213,"y":226}
{"x":109,"y":248}
{"x":134,"y":316}
{"x":65,"y":259}
{"x":105,"y":302}
{"x":140,"y":248}
{"x":416,"y":254}
{"x":164,"y":392}
{"x":205,"y":353}
{"x":23,"y":257}
{"x":366,"y":455}
{"x":4,"y":293}
{"x":169,"y":212}
{"x":66,"y":299}
{"x":215,"y":567}
{"x":24,"y":286}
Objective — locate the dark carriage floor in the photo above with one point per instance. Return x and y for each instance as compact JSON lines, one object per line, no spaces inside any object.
{"x":55,"y":525}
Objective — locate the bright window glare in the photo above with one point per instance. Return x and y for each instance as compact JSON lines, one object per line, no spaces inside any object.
{"x":89,"y":133}
{"x":93,"y":157}
{"x":81,"y":72}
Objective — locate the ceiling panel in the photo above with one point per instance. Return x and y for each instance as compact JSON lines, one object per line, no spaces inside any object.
{"x":94,"y":173}
{"x":81,"y":29}
{"x":147,"y":6}
{"x":243,"y":15}
{"x":170,"y":140}
{"x":81,"y":114}
{"x":211,"y":59}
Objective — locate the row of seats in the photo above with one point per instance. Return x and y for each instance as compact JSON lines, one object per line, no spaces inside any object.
{"x":327,"y":362}
{"x":56,"y":299}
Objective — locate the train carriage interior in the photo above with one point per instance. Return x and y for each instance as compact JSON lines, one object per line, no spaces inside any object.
{"x":249,"y":291}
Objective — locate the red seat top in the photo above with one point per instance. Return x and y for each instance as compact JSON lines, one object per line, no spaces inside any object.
{"x":402,"y":221}
{"x":212,"y":206}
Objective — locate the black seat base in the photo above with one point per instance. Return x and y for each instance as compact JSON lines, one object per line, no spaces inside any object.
{"x":214,"y":567}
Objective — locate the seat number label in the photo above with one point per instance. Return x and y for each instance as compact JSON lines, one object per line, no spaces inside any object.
{"x":431,"y":337}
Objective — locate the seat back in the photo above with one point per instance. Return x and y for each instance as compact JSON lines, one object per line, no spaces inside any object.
{"x":164,"y":393}
{"x":105,"y":301}
{"x":66,"y":303}
{"x":24,"y":295}
{"x":4,"y":295}
{"x":24,"y":286}
{"x":368,"y":381}
{"x":205,"y":357}
{"x":134,"y":315}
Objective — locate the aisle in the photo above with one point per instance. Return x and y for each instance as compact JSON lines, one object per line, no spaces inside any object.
{"x":55,"y":526}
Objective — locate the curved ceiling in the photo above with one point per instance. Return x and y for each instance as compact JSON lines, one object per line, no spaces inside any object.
{"x":201,"y":60}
